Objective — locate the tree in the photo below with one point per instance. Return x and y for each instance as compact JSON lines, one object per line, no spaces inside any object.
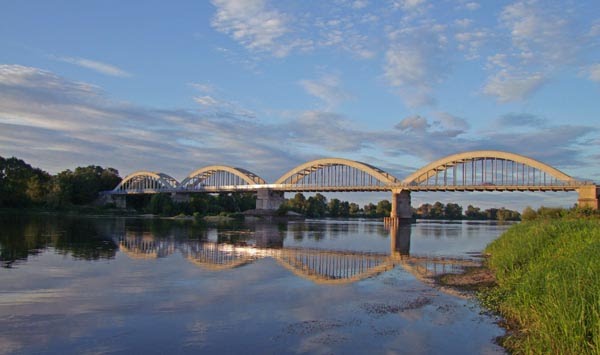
{"x":317,"y":205}
{"x":21,"y":184}
{"x":474,"y":213}
{"x":333,"y":207}
{"x":354,"y":209}
{"x":370,"y":210}
{"x":453,"y":211}
{"x":384,"y":208}
{"x":437,"y":211}
{"x":161,"y":204}
{"x":344,"y":209}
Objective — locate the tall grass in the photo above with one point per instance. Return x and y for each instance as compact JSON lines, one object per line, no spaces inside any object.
{"x":548,"y":275}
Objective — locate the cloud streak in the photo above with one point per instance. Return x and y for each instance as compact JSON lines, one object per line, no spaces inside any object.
{"x":99,"y":67}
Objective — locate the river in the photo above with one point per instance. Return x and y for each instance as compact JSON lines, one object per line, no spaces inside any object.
{"x":129,"y":285}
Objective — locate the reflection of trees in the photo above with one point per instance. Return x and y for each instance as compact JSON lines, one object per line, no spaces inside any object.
{"x":24,"y":235}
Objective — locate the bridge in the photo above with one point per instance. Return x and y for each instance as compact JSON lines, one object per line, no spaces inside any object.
{"x":485,"y":170}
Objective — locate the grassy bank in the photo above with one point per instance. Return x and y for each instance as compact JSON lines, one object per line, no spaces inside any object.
{"x":548,"y":285}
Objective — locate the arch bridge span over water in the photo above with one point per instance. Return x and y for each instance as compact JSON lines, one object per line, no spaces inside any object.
{"x":485,"y":170}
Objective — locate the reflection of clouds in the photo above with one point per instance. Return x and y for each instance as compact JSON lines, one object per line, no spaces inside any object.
{"x":26,"y":297}
{"x":9,"y":346}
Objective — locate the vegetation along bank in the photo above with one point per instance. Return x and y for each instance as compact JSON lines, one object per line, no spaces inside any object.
{"x":547,"y":286}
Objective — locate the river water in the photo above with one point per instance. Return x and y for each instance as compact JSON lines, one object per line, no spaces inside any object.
{"x":127,"y":285}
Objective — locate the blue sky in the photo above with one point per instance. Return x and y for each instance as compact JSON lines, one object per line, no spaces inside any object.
{"x":267,"y":85}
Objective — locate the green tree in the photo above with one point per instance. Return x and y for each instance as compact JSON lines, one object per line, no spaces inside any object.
{"x":474,"y":213}
{"x":317,"y":205}
{"x":370,"y":210}
{"x":333,"y":207}
{"x":354,"y":209}
{"x":344,"y":209}
{"x":437,"y":211}
{"x":161,"y":204}
{"x":453,"y":211}
{"x":384,"y":208}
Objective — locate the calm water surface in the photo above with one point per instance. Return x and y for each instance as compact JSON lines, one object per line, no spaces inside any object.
{"x":123,"y":285}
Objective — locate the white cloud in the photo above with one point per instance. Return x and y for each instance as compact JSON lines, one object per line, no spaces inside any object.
{"x":408,"y":4}
{"x":206,"y":100}
{"x":328,"y":88}
{"x":255,"y":26}
{"x":472,"y":6}
{"x":507,"y":87}
{"x":594,"y":72}
{"x":96,"y":66}
{"x":203,"y":87}
{"x":416,"y":62}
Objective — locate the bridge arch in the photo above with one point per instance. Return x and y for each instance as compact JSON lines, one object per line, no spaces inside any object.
{"x":337,"y":172}
{"x":146,"y":180}
{"x":488,"y":168}
{"x":220,"y":175}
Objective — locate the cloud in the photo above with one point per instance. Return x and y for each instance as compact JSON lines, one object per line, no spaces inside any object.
{"x":594,"y":72}
{"x":409,"y":4}
{"x":96,"y":66}
{"x":328,"y":89}
{"x":255,"y":26}
{"x":413,"y":123}
{"x":541,"y":41}
{"x":520,"y":120}
{"x":206,"y":100}
{"x":416,"y":61}
{"x":472,"y":6}
{"x":507,"y":86}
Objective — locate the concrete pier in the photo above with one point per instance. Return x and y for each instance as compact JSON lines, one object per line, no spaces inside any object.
{"x":401,"y":208}
{"x":267,"y":199}
{"x":588,"y":196}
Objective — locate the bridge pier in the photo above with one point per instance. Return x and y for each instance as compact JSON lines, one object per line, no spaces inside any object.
{"x":267,"y":199}
{"x":588,"y":196}
{"x":401,"y":209}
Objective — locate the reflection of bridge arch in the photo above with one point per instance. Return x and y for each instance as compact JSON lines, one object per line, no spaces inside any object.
{"x":336,"y":173}
{"x":220,"y":175}
{"x":487,"y":168}
{"x":214,"y":256}
{"x":147,"y":181}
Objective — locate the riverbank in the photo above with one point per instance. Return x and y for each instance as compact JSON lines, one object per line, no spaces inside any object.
{"x":543,"y":278}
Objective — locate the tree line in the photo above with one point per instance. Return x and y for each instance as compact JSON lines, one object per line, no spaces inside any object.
{"x":21,"y":185}
{"x":317,"y":206}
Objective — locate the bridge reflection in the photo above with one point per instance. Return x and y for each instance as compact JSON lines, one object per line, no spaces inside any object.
{"x":236,"y":248}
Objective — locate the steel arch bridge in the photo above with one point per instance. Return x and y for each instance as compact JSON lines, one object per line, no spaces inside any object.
{"x":484,"y":170}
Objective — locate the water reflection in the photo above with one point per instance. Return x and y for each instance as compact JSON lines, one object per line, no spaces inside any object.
{"x":298,"y":247}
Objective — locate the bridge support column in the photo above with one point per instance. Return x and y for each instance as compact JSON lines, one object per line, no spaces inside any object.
{"x":401,"y":209}
{"x":179,"y":197}
{"x":588,"y":196}
{"x":268,"y":199}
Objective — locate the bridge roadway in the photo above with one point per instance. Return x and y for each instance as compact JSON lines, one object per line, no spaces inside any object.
{"x":467,"y":171}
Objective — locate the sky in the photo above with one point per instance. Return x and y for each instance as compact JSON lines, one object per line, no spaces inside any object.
{"x":268,"y":85}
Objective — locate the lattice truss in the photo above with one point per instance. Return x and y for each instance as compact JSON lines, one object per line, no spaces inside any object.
{"x":337,"y":175}
{"x":219,"y":176}
{"x":487,"y":172}
{"x":143,"y":181}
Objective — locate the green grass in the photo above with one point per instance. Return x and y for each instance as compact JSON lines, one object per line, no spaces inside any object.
{"x":548,"y":285}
